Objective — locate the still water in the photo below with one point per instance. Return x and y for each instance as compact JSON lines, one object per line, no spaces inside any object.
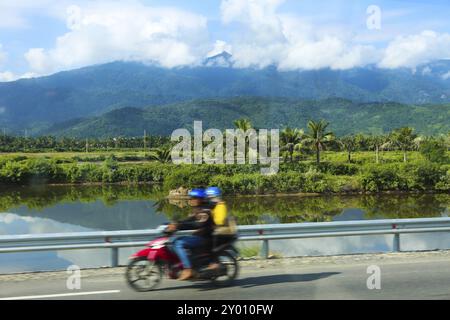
{"x":50,"y":209}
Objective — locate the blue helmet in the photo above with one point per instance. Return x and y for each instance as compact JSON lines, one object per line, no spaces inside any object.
{"x":197,"y":193}
{"x":212,"y":192}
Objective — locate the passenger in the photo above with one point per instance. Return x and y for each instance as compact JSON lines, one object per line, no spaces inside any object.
{"x":224,"y":225}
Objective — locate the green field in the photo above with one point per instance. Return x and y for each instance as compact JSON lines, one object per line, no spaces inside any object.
{"x":303,"y":175}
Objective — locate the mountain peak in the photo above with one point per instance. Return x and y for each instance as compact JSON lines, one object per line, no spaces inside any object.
{"x":223,"y":59}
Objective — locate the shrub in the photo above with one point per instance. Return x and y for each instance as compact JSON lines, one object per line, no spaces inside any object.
{"x":13,"y":172}
{"x":444,"y":182}
{"x":421,"y":176}
{"x":434,"y":151}
{"x":186,"y":176}
{"x":377,"y":178}
{"x":333,"y":168}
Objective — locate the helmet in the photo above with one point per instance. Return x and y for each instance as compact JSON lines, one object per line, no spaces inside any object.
{"x":213,"y":192}
{"x":197,"y":193}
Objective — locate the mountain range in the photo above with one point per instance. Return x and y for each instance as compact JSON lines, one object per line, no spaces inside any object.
{"x":65,"y":101}
{"x":345,"y":117}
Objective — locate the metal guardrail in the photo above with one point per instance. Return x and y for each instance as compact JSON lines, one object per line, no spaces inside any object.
{"x":120,"y":239}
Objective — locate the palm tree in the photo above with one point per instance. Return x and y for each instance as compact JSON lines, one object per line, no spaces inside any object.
{"x":162,"y":155}
{"x":243,"y":124}
{"x":318,"y":136}
{"x":404,"y":139}
{"x":290,"y":139}
{"x":377,"y":143}
{"x":349,"y":144}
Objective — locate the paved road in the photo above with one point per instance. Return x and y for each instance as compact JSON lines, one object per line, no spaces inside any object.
{"x":403,"y":276}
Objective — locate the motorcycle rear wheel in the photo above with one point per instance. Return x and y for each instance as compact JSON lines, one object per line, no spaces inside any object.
{"x":143,"y":275}
{"x":230,"y":264}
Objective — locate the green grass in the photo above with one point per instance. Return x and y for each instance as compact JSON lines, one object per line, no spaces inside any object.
{"x":253,"y":251}
{"x":333,"y":175}
{"x":359,"y":157}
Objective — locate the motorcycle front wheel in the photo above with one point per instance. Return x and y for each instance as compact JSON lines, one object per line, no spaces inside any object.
{"x":143,"y":275}
{"x":228,"y":269}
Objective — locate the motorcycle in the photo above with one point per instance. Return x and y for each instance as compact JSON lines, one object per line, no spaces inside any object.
{"x":147,"y":267}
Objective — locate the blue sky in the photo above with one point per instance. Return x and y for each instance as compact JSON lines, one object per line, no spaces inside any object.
{"x":39,"y":37}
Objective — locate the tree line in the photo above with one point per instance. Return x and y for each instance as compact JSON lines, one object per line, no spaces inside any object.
{"x":9,"y":143}
{"x":318,"y":138}
{"x":294,"y":141}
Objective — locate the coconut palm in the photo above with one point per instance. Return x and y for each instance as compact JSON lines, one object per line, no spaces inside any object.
{"x":349,"y":144}
{"x":318,"y":137}
{"x":243,"y":124}
{"x":162,"y":155}
{"x":403,"y":138}
{"x":377,"y":143}
{"x":290,"y":139}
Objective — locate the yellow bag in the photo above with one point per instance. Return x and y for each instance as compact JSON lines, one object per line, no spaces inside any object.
{"x":220,"y":214}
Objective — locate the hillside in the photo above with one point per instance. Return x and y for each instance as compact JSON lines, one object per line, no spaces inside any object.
{"x":36,"y":104}
{"x":345,"y":117}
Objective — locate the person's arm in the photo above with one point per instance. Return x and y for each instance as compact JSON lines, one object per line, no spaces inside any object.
{"x":198,"y":221}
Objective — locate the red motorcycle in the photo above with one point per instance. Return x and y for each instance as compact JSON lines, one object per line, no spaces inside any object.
{"x":147,"y":267}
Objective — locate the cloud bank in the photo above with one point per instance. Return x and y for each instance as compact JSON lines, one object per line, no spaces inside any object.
{"x":260,"y":35}
{"x":105,"y":32}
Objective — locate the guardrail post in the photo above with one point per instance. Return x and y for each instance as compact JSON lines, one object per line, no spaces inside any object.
{"x":114,"y":257}
{"x":396,"y":244}
{"x":265,"y":249}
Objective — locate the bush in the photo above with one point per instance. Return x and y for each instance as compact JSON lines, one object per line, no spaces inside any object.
{"x":434,"y":151}
{"x":344,"y":169}
{"x":421,"y":176}
{"x":444,"y":182}
{"x":13,"y":172}
{"x":31,"y":171}
{"x":186,"y":176}
{"x":284,"y":182}
{"x":41,"y":171}
{"x":376,"y":178}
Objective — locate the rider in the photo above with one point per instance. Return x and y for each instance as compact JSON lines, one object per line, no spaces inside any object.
{"x":201,"y":221}
{"x":224,"y":224}
{"x":217,"y":205}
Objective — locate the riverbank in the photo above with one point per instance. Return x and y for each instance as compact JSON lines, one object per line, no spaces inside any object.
{"x":301,"y":178}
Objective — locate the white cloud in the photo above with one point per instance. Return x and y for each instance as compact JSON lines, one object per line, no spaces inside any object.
{"x":289,"y":41}
{"x":446,"y":76}
{"x":7,"y":76}
{"x":103,"y":32}
{"x":219,"y":47}
{"x":260,"y":16}
{"x":426,"y":71}
{"x":410,"y":51}
{"x":329,"y":52}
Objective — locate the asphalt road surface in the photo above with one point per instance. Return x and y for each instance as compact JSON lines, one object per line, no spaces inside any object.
{"x":402,"y":276}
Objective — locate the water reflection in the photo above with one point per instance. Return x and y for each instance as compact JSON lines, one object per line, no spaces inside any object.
{"x":47,"y":209}
{"x":291,"y":209}
{"x":143,"y":206}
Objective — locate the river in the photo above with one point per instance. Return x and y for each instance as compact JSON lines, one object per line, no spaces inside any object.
{"x":51,"y":209}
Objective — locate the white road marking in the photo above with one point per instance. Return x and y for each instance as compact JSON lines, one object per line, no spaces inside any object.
{"x":61,"y":295}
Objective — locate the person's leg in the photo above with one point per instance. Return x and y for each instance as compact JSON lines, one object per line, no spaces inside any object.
{"x":179,"y":247}
{"x":181,"y":244}
{"x":214,"y":265}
